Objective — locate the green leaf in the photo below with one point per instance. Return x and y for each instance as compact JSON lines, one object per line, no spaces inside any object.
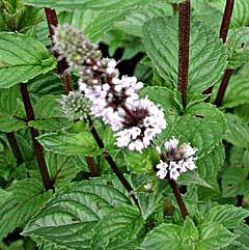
{"x":27,"y":197}
{"x":192,"y":178}
{"x":237,"y":92}
{"x":88,"y":4}
{"x":207,"y":53}
{"x":69,"y":219}
{"x":214,"y":236}
{"x":234,"y":181}
{"x":210,"y":165}
{"x":163,"y":96}
{"x":163,"y":237}
{"x":203,"y":126}
{"x":62,"y":169}
{"x":237,"y":132}
{"x":227,"y":215}
{"x":133,"y":22}
{"x":118,"y":230}
{"x":11,"y":124}
{"x":141,"y":162}
{"x":9,"y":100}
{"x":103,"y":22}
{"x":240,"y":15}
{"x":49,"y":115}
{"x":22,"y":58}
{"x":69,"y":143}
{"x":238,"y":47}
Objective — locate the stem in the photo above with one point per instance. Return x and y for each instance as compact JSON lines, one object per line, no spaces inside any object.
{"x":226,"y":20}
{"x":223,"y":35}
{"x":92,"y":166}
{"x":47,"y":182}
{"x":184,"y":38}
{"x":15,"y":147}
{"x":112,"y":163}
{"x":62,"y":64}
{"x":224,"y":83}
{"x":179,"y":198}
{"x":240,"y":200}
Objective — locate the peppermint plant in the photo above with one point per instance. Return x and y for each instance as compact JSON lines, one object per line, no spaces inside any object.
{"x":124,"y":124}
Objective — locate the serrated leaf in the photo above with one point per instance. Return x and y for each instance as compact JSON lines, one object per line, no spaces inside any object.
{"x":203,"y":126}
{"x":27,"y":197}
{"x":214,"y":236}
{"x":210,"y":165}
{"x":237,"y":132}
{"x":234,"y":181}
{"x":133,"y":22}
{"x":118,"y":230}
{"x":62,"y":169}
{"x":237,"y":92}
{"x":70,"y":217}
{"x":88,"y":4}
{"x":238,"y":47}
{"x":227,"y":215}
{"x":163,"y":237}
{"x":11,"y":124}
{"x":69,"y":143}
{"x":207,"y":54}
{"x":22,"y":58}
{"x":9,"y":100}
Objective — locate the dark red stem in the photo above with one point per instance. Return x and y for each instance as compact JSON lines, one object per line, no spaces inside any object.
{"x":112,"y":163}
{"x":184,"y":38}
{"x":92,"y":166}
{"x":48,"y":184}
{"x":226,"y":20}
{"x":15,"y":147}
{"x":223,"y":35}
{"x":179,"y":198}
{"x":224,"y":83}
{"x":62,"y":64}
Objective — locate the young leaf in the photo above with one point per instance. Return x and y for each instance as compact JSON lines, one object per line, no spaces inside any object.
{"x":68,"y":143}
{"x":22,"y":58}
{"x":27,"y":197}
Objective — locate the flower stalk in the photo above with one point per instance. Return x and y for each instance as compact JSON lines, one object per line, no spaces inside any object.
{"x":223,"y":35}
{"x":62,"y":64}
{"x":30,"y":116}
{"x":184,"y":39}
{"x":112,"y":163}
{"x":179,"y":198}
{"x":15,"y":147}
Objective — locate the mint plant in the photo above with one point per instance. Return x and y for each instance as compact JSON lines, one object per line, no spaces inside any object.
{"x":124,"y":124}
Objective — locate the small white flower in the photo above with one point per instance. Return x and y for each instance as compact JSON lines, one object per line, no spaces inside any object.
{"x":143,"y":122}
{"x":171,"y":144}
{"x":176,"y":159}
{"x":163,"y":170}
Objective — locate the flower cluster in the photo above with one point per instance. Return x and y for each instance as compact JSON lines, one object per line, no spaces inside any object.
{"x":75,"y":106}
{"x":113,"y":98}
{"x":70,"y":43}
{"x":176,"y":159}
